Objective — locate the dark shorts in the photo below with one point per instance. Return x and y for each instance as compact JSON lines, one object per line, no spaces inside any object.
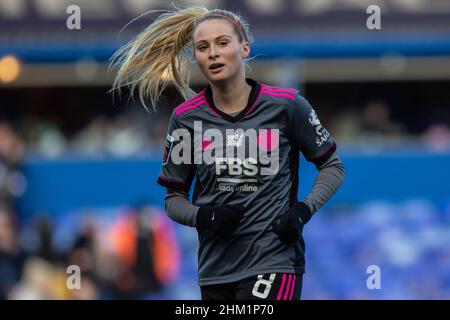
{"x":270,"y":286}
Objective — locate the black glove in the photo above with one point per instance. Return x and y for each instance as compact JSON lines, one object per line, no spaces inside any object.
{"x":290,"y":224}
{"x":221,"y":220}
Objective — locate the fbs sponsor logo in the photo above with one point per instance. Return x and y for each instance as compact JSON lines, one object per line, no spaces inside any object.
{"x":233,"y":152}
{"x":236,"y":166}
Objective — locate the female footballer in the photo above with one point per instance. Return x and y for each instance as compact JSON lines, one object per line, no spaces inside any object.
{"x":241,"y":139}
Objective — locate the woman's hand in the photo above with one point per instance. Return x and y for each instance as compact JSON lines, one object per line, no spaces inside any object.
{"x":221,"y":220}
{"x":290,"y":224}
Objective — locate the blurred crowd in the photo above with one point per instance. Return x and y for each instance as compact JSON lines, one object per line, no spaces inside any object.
{"x":119,"y":137}
{"x":374,"y":126}
{"x":130,"y":253}
{"x":407,"y":241}
{"x":135,"y":132}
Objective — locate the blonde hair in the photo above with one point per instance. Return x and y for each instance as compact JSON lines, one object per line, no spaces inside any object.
{"x":161,"y":52}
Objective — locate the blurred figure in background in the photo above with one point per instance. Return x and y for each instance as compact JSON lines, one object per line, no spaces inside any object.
{"x":84,"y":255}
{"x":437,"y":137}
{"x":146,"y":280}
{"x":12,"y":181}
{"x":148,"y":258}
{"x":12,"y":257}
{"x":44,"y":230}
{"x":12,"y":185}
{"x":41,"y":280}
{"x":377,"y":121}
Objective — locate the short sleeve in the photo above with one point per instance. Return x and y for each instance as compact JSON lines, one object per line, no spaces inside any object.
{"x":177,"y":170}
{"x":308,"y":133}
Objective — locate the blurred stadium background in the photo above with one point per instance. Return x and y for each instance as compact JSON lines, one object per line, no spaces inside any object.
{"x":78,"y":171}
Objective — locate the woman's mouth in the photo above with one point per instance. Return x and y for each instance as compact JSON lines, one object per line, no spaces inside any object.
{"x":216,"y":67}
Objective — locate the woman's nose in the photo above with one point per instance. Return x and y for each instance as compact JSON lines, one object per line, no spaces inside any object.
{"x":212,"y":53}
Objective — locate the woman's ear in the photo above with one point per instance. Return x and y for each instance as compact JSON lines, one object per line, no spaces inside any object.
{"x":246,"y":49}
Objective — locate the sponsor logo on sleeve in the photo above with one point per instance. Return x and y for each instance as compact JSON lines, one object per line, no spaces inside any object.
{"x":322,"y":134}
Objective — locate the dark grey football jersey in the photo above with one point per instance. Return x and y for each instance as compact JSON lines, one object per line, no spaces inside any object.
{"x":250,"y":159}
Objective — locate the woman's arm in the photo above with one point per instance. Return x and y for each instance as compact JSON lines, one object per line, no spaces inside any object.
{"x":179,"y":208}
{"x":289,"y":225}
{"x":330,"y":177}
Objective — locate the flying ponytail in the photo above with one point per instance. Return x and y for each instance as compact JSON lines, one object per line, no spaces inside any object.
{"x":161,"y":52}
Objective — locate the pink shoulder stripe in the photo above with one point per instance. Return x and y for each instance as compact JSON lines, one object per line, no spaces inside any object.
{"x":193,"y":104}
{"x":278,"y":95}
{"x":279,"y":89}
{"x":190,"y":101}
{"x":190,"y":107}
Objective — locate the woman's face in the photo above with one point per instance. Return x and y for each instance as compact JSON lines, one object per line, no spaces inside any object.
{"x":218,"y":51}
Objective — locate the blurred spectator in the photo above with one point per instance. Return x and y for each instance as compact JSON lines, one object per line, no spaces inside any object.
{"x":12,"y":181}
{"x":347,"y":125}
{"x":83,"y":252}
{"x":126,"y":139}
{"x":43,"y":136}
{"x":12,"y":256}
{"x":43,"y":245}
{"x":134,"y":243}
{"x":370,"y":127}
{"x":40,"y":281}
{"x":437,"y":137}
{"x":92,"y":139}
{"x":120,"y":137}
{"x":52,"y":142}
{"x":89,"y":288}
{"x":377,"y":121}
{"x":146,"y":279}
{"x":11,"y":148}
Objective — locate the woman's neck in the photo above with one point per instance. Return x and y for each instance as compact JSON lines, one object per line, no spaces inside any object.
{"x":231,"y":96}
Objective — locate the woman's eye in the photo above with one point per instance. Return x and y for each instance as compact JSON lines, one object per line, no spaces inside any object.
{"x":201,"y":48}
{"x":223,"y":43}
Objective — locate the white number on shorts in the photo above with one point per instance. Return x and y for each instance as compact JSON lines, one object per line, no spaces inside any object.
{"x":264,"y":282}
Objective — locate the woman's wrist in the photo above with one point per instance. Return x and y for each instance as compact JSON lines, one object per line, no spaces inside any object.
{"x":303,"y":211}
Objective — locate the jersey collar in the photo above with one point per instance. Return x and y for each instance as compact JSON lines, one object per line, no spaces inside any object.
{"x":254,"y":93}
